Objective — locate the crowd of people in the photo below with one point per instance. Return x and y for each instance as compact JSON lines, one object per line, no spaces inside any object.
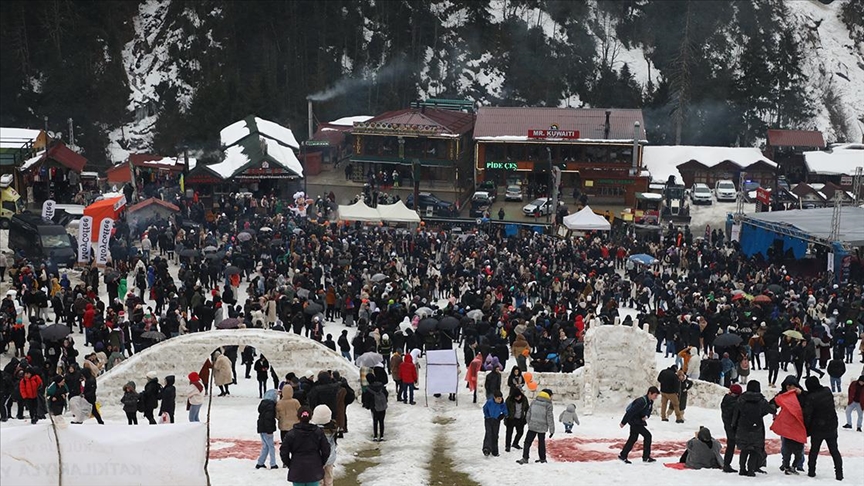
{"x":527,"y":298}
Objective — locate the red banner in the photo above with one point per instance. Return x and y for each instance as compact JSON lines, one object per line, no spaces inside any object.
{"x":554,"y":134}
{"x":763,"y":196}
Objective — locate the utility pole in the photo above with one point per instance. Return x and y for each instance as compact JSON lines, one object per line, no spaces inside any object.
{"x":835,"y":216}
{"x":858,"y":184}
{"x":739,"y":209}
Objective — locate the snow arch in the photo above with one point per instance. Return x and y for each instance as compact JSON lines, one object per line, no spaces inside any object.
{"x":179,"y":356}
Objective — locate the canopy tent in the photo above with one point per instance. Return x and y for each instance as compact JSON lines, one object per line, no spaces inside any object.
{"x":110,"y":207}
{"x":586,"y":220}
{"x":398,"y":213}
{"x":358,"y":211}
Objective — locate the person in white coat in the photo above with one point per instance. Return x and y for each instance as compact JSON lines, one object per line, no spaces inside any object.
{"x":194,"y":396}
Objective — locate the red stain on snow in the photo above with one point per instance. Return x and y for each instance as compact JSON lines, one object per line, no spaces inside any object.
{"x":585,"y":449}
{"x":236,"y":449}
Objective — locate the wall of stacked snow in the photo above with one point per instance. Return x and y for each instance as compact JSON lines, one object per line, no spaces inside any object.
{"x":287,"y":352}
{"x":706,"y":394}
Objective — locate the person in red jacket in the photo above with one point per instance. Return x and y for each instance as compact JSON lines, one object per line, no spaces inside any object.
{"x":856,"y":402}
{"x":29,"y":387}
{"x":87,"y":320}
{"x":408,"y":375}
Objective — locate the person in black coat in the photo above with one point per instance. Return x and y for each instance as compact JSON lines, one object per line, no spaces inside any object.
{"x":168,"y":396}
{"x":727,"y":410}
{"x":305,"y":450}
{"x":248,"y":359}
{"x":262,"y":371}
{"x":670,"y":385}
{"x":151,"y":394}
{"x":493,"y":382}
{"x":90,"y":393}
{"x":266,"y":428}
{"x":636,"y":415}
{"x":750,"y":428}
{"x":820,"y":419}
{"x":325,"y":391}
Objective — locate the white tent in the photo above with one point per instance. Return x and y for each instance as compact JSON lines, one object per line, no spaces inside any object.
{"x":586,"y":220}
{"x":358,"y":211}
{"x":398,"y":213}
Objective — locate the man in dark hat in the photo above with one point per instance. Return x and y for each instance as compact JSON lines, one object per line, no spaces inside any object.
{"x":727,"y":410}
{"x":820,"y":419}
{"x":750,"y":428}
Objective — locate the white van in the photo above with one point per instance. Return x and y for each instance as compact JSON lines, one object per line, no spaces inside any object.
{"x":724,"y":190}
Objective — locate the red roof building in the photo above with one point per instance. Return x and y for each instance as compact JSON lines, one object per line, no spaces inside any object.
{"x":795,"y":138}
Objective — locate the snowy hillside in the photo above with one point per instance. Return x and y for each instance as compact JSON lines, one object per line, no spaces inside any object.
{"x":159,"y":63}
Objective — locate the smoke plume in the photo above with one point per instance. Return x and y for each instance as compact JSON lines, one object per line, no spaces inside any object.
{"x":350,"y":84}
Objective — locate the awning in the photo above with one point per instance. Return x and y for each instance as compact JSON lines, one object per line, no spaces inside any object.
{"x":397,"y":213}
{"x":107,"y":208}
{"x":358,"y":211}
{"x":586,"y":220}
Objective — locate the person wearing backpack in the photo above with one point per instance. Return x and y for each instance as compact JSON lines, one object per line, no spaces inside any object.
{"x":149,"y":400}
{"x":540,"y":419}
{"x":636,"y":417}
{"x":130,"y":403}
{"x":374,"y":399}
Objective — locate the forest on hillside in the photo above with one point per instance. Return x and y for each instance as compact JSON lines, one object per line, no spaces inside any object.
{"x":719,"y":72}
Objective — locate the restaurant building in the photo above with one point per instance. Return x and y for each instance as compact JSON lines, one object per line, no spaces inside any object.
{"x":430,"y":144}
{"x":593,"y":147}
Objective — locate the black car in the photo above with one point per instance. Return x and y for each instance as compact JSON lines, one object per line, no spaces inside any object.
{"x":480,"y":203}
{"x":429,"y":200}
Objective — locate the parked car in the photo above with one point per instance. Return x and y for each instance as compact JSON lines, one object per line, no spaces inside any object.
{"x":481,"y":201}
{"x":490,"y":187}
{"x":725,"y":190}
{"x":701,"y":194}
{"x":514,"y":193}
{"x":543,"y":205}
{"x":429,"y":200}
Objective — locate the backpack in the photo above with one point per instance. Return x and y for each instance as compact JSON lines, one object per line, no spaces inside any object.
{"x":380,"y":400}
{"x":639,"y":402}
{"x":142,"y":404}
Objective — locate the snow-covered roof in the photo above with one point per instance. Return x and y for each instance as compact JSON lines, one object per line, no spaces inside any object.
{"x":17,"y":137}
{"x":32,"y":161}
{"x":237,"y":158}
{"x":348,"y":121}
{"x":237,"y":131}
{"x":838,"y":161}
{"x":663,"y":160}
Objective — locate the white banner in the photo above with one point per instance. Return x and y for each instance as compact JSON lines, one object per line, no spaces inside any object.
{"x":831,"y":261}
{"x":442,"y":371}
{"x":103,"y":250}
{"x":85,"y":235}
{"x":119,"y":203}
{"x":104,"y":455}
{"x":736,"y":232}
{"x":48,"y":209}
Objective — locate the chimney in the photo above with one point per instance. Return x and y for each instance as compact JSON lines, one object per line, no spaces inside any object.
{"x":309,"y":105}
{"x":606,"y":126}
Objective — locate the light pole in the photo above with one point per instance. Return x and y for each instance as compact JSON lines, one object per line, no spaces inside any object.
{"x":551,"y":182}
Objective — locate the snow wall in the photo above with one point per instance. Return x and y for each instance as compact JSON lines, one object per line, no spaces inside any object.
{"x":181,"y":355}
{"x":620,"y":365}
{"x":103,"y":455}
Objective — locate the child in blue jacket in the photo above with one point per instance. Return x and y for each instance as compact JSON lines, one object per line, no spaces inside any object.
{"x":493,"y":412}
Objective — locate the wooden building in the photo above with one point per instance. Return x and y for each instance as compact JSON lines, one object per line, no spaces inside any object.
{"x":594,"y":148}
{"x":787,"y":147}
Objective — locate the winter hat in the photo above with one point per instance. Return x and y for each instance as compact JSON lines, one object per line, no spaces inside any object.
{"x":310,"y":374}
{"x":58,"y":379}
{"x":813,"y":384}
{"x":151,"y":375}
{"x":704,"y":434}
{"x":861,"y":378}
{"x":789,"y":380}
{"x":547,"y":391}
{"x":321,"y":415}
{"x":370,"y":377}
{"x":754,"y":386}
{"x":735,"y":389}
{"x":193,"y":377}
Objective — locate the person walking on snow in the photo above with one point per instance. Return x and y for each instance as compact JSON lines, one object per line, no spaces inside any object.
{"x":305,"y":450}
{"x":494,"y":410}
{"x":408,"y":376}
{"x":374,"y":399}
{"x":517,"y":410}
{"x":636,"y":417}
{"x":194,"y":396}
{"x":540,"y":419}
{"x":568,"y":417}
{"x":266,"y":428}
{"x":855,"y":403}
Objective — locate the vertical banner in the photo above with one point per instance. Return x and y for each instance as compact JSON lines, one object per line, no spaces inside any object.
{"x":831,"y":261}
{"x":48,"y":209}
{"x":102,"y":251}
{"x":85,"y":235}
{"x":736,"y":232}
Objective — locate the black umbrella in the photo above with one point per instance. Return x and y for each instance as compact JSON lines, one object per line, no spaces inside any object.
{"x":727,"y":340}
{"x":190,"y":253}
{"x":448,"y":324}
{"x":776,"y":289}
{"x":230,"y":323}
{"x":232,"y":270}
{"x":216,"y":256}
{"x":427,"y":325}
{"x":153,"y":336}
{"x":55,"y":332}
{"x":313,"y":308}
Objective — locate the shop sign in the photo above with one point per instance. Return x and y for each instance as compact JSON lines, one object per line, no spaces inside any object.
{"x":553,"y":134}
{"x":615,"y":181}
{"x":317,"y":143}
{"x":763,"y":196}
{"x":510,"y":166}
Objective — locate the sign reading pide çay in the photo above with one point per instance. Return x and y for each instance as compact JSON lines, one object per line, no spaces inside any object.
{"x":502,"y":165}
{"x":554,"y":134}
